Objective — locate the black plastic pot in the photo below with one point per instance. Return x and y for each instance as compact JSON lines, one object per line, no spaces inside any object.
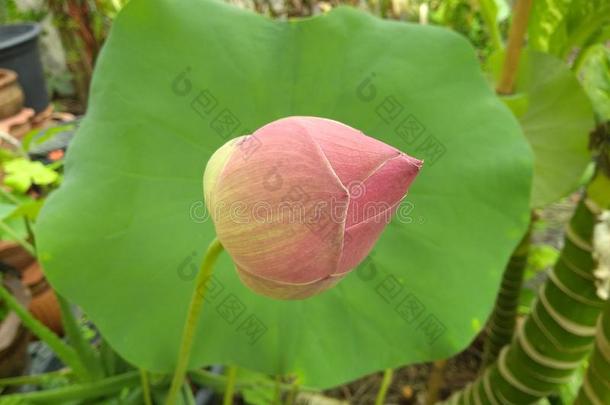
{"x":19,"y":52}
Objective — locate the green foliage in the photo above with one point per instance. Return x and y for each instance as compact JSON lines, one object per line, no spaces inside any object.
{"x":494,"y":11}
{"x":556,"y":116}
{"x":22,"y":173}
{"x":559,"y":26}
{"x":595,"y":72}
{"x":546,"y":31}
{"x":135,"y":172}
{"x":11,"y":13}
{"x":465,"y":18}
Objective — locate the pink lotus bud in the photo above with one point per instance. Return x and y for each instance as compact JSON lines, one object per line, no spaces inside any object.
{"x":302,"y":201}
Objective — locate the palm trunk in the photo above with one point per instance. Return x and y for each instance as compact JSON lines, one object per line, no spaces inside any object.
{"x":501,"y":325}
{"x":558,"y":334}
{"x":595,"y":389}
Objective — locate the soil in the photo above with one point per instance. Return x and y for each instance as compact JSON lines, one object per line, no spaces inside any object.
{"x":409,"y":385}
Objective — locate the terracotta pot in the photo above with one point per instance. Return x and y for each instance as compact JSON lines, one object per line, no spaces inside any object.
{"x":44,"y":305}
{"x":11,"y":94}
{"x":17,"y":125}
{"x":42,"y":118}
{"x":14,"y":337}
{"x":13,"y":255}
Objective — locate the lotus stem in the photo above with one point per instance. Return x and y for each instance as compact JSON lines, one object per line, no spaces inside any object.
{"x":385,"y":385}
{"x":190,"y":325}
{"x":76,"y":392}
{"x":277,"y":397}
{"x":230,"y":388}
{"x":36,"y":379}
{"x":145,"y":387}
{"x":81,"y":346}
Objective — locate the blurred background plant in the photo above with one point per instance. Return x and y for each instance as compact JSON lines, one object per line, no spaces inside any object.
{"x":74,"y":30}
{"x":73,"y":33}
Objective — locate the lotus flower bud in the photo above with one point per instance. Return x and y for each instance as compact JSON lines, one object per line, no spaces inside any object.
{"x":302,"y":201}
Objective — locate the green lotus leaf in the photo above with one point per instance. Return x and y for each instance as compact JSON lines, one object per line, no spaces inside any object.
{"x":124,"y":234}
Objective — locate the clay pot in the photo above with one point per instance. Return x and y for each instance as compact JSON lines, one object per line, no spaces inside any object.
{"x":13,"y":255}
{"x":44,"y":305}
{"x":14,"y":337}
{"x":18,"y":125}
{"x":11,"y":94}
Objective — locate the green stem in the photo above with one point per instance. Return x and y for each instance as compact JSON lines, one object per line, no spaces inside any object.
{"x":501,"y":325}
{"x":65,"y":353}
{"x":218,"y":382}
{"x":30,"y":231}
{"x":12,"y":233}
{"x":277,"y":397}
{"x":558,"y":334}
{"x":145,"y":387}
{"x":190,"y":326}
{"x":187,"y":395}
{"x":595,"y":388}
{"x":8,"y":196}
{"x":85,"y":352}
{"x":385,"y":385}
{"x":76,"y":392}
{"x":35,"y":379}
{"x":230,"y":389}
